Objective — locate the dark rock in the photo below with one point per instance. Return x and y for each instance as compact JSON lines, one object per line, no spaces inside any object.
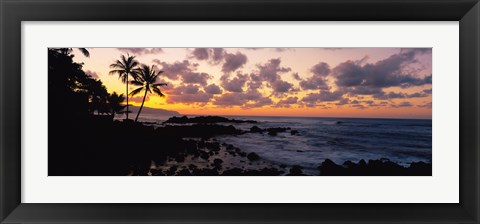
{"x":215,"y":146}
{"x":180,"y":158}
{"x":296,"y":170}
{"x":184,"y":172}
{"x":275,"y":131}
{"x":256,"y":129}
{"x":197,"y":131}
{"x":205,"y":120}
{"x":380,"y":167}
{"x":294,"y":132}
{"x":171,"y":171}
{"x":204,"y":155}
{"x":217,"y":161}
{"x":205,"y":172}
{"x":253,"y":156}
{"x":233,"y":172}
{"x":329,"y":168}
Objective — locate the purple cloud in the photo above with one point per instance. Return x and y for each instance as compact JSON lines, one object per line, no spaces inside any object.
{"x":213,"y":89}
{"x":234,"y":62}
{"x":234,"y":85}
{"x":141,"y":51}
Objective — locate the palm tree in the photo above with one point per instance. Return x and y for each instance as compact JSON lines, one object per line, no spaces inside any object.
{"x":124,"y":68}
{"x":67,"y":51}
{"x":115,"y":103}
{"x":146,"y":79}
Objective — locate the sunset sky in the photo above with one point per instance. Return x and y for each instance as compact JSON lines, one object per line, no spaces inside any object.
{"x":314,"y":82}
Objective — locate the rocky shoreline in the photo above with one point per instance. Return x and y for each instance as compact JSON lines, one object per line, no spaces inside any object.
{"x":187,"y":150}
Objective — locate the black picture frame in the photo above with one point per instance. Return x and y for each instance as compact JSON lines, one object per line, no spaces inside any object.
{"x":13,"y":12}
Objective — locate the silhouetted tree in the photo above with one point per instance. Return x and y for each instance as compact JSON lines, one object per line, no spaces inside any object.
{"x":97,"y":95}
{"x":146,"y":79}
{"x":68,"y":51}
{"x":124,"y":68}
{"x":115,"y":103}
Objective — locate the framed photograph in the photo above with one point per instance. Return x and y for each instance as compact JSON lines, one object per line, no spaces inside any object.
{"x":225,"y":111}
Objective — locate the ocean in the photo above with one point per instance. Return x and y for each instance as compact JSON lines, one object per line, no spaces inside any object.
{"x":340,"y":139}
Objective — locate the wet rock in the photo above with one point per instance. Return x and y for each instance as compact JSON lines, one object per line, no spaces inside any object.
{"x":329,"y":168}
{"x":294,"y":132}
{"x":184,"y":172}
{"x":205,"y":119}
{"x":180,"y":158}
{"x":380,"y":167}
{"x":217,"y":161}
{"x":233,"y":172}
{"x":215,"y":146}
{"x":191,"y":146}
{"x":275,"y":131}
{"x":253,"y":156}
{"x":205,"y":172}
{"x":420,"y":169}
{"x":201,"y":144}
{"x":256,"y":129}
{"x":204,"y":155}
{"x":296,"y":170}
{"x":171,"y":171}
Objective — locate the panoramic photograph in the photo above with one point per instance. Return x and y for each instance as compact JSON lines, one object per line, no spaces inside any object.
{"x":239,"y":111}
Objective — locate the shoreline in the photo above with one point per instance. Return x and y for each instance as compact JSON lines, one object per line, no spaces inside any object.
{"x":191,"y":149}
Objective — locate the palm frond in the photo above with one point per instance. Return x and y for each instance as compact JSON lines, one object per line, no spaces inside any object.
{"x":84,"y":52}
{"x":160,"y":84}
{"x":113,"y":72}
{"x":157,"y":91}
{"x":136,"y":91}
{"x":136,"y":83}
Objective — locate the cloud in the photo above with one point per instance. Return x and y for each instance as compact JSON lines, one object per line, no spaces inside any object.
{"x":321,"y":69}
{"x":249,"y":99}
{"x":195,"y":77}
{"x":426,"y":105}
{"x":198,"y":98}
{"x":323,"y":96}
{"x":230,"y":99}
{"x":200,"y":53}
{"x":342,"y":101}
{"x":270,"y":73}
{"x":212,"y":55}
{"x":417,"y":51}
{"x":183,"y":70}
{"x":213,"y":89}
{"x":215,"y":56}
{"x":174,"y":70}
{"x":281,"y":86}
{"x":332,"y":48}
{"x":234,"y":85}
{"x":138,"y":99}
{"x":185,"y":89}
{"x":287,"y":102}
{"x":393,"y":95}
{"x":92,"y":74}
{"x":141,"y":51}
{"x":259,"y":103}
{"x":318,"y":80}
{"x":296,"y":76}
{"x":384,"y":73}
{"x":402,"y":104}
{"x":233,"y":62}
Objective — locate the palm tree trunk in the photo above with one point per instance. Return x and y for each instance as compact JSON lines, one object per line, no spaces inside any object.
{"x":143,"y":101}
{"x":127,"y":98}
